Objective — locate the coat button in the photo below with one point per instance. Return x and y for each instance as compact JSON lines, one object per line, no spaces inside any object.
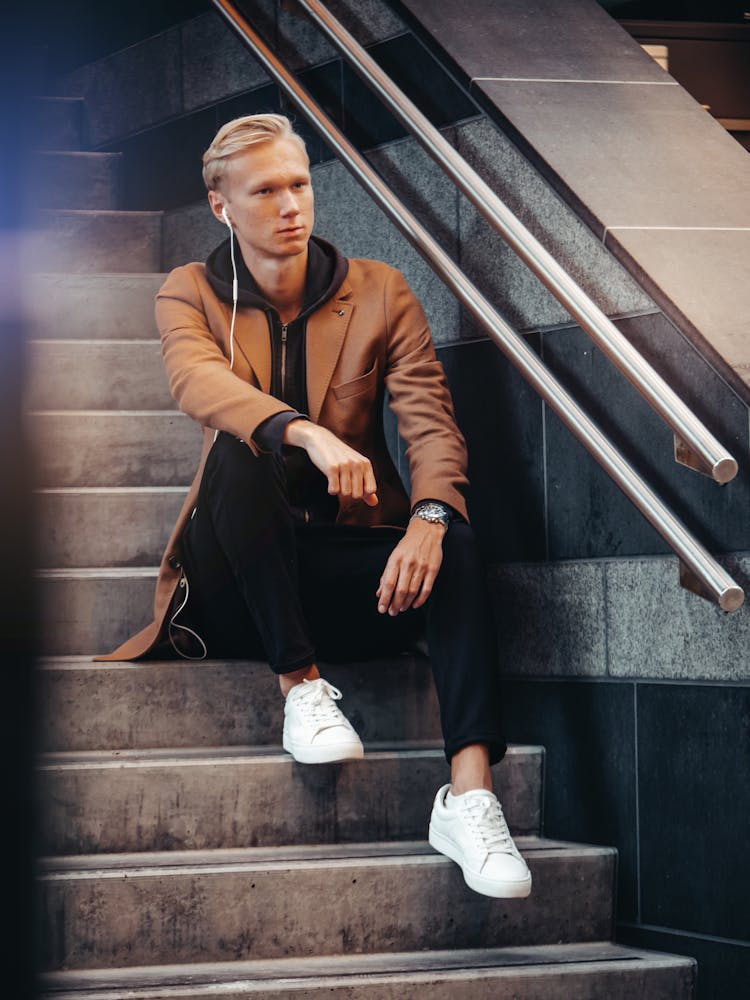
{"x":174,"y":562}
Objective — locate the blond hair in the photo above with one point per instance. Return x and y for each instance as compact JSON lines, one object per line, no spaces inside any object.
{"x":240,"y":134}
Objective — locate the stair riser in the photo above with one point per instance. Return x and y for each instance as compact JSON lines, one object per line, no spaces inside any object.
{"x":622,"y":981}
{"x":92,"y":615}
{"x":57,"y":123}
{"x":182,"y":704}
{"x":308,"y":908}
{"x":93,"y":306}
{"x":80,"y":242}
{"x":104,"y":528}
{"x":259,"y":803}
{"x":68,"y":180}
{"x":94,"y":375}
{"x":124,"y":449}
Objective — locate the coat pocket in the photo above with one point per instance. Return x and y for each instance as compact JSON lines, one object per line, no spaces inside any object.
{"x":357,"y":385}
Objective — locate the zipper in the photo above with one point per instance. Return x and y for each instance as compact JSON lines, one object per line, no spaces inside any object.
{"x":284,"y":329}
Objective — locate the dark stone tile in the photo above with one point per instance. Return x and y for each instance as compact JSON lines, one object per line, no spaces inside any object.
{"x":496,"y":268}
{"x":501,"y":419}
{"x":57,"y":123}
{"x":697,"y":640}
{"x":325,"y":84}
{"x":161,"y":167}
{"x":348,"y":217}
{"x":587,"y":729}
{"x":628,"y":155}
{"x":701,"y":279}
{"x":131,"y":89}
{"x":368,"y":122}
{"x":423,"y":187}
{"x":538,"y":39}
{"x":694,"y":801}
{"x":550,"y":617}
{"x":298,"y":41}
{"x":215,"y":62}
{"x":368,"y":20}
{"x":588,"y":516}
{"x":723,"y":966}
{"x":261,"y":100}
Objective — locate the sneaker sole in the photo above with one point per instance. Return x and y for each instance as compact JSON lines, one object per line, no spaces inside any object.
{"x":475,"y":881}
{"x":305,"y":754}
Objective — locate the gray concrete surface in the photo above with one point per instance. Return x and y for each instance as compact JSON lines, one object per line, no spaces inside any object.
{"x":227,"y":905}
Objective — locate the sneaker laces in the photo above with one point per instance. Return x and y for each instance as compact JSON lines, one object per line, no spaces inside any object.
{"x":316,"y":699}
{"x":485,"y":819}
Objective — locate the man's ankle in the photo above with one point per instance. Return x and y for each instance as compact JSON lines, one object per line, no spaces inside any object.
{"x":288,"y":681}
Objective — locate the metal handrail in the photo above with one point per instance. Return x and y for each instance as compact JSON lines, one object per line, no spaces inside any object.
{"x":708,"y":576}
{"x":704,"y":453}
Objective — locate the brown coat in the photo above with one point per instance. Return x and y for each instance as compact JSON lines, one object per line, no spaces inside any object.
{"x":372,"y":335}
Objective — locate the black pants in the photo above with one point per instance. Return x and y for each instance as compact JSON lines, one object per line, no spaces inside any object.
{"x":264,"y":583}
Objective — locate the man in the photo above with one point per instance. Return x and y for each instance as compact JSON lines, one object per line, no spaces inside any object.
{"x":297,"y":539}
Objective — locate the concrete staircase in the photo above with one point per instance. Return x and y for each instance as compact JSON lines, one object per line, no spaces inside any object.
{"x":184,"y":854}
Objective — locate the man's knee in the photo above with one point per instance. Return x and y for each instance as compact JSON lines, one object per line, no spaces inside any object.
{"x":231,"y":464}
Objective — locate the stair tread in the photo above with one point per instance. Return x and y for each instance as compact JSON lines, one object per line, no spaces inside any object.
{"x":377,"y":853}
{"x":593,"y":953}
{"x":376,"y":750}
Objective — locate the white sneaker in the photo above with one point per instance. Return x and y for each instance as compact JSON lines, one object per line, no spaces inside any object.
{"x":472,"y":831}
{"x":315,"y":730}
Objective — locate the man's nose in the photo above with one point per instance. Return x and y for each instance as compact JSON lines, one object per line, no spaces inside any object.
{"x":289,"y":204}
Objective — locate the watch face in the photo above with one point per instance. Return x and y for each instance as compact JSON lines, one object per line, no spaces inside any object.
{"x":434,"y":512}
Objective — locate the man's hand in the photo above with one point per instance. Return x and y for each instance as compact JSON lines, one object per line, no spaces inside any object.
{"x":349,"y":474}
{"x":412,"y":567}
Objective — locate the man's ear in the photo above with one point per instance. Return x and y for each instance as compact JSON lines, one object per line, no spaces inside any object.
{"x":216,"y":201}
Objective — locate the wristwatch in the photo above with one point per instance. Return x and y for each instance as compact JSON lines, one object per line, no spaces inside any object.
{"x":434,"y":512}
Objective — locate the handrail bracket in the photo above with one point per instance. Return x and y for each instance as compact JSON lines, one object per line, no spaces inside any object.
{"x":722,"y":472}
{"x":730,"y":599}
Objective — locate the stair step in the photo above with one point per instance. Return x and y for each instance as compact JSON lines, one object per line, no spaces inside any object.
{"x":115,"y":448}
{"x":197,"y":799}
{"x":95,"y":241}
{"x":586,"y":971}
{"x":226,"y":905}
{"x":115,"y":526}
{"x":89,"y":611}
{"x":72,"y":179}
{"x":58,"y":122}
{"x":97,"y":375}
{"x":92,"y":306}
{"x":85,"y":705}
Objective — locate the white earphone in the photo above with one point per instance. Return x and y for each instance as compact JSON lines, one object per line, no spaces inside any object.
{"x":225,"y":217}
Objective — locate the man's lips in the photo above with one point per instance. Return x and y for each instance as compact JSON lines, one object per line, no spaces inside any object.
{"x":291,"y":230}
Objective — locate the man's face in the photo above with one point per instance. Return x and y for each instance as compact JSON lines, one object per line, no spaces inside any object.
{"x":269,"y":198}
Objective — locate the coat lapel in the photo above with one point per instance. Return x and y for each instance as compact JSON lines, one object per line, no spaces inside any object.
{"x":252,"y":341}
{"x":326,"y":331}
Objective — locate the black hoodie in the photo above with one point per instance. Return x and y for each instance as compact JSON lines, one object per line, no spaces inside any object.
{"x":326,"y":270}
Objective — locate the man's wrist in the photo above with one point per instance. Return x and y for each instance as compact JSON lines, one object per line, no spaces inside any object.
{"x":297,"y":431}
{"x":434,"y":512}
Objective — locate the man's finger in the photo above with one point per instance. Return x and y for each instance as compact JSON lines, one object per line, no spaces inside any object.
{"x":427,"y":585}
{"x":370,"y":485}
{"x":409,"y":579}
{"x":333,"y":482}
{"x":345,"y":482}
{"x":385,"y":590}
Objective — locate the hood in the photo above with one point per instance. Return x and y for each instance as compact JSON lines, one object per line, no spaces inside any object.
{"x":326,"y":270}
